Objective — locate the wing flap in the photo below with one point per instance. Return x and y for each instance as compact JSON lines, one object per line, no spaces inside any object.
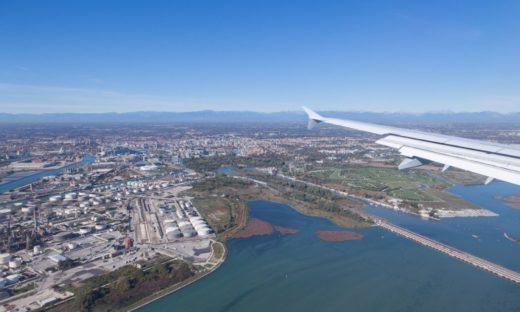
{"x":494,"y":172}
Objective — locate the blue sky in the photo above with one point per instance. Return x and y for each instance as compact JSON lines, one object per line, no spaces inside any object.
{"x":118,"y":56}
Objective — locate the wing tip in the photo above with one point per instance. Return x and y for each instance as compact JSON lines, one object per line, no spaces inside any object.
{"x":314,"y":117}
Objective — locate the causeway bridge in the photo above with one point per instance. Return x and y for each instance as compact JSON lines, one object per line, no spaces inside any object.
{"x":452,"y":252}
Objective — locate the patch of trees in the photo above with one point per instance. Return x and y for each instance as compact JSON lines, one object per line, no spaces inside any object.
{"x":67,"y":264}
{"x":127,"y":285}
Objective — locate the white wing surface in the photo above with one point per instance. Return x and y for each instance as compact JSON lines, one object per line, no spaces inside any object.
{"x":493,"y":160}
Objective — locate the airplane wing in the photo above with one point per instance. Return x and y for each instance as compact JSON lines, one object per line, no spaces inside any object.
{"x":493,"y":160}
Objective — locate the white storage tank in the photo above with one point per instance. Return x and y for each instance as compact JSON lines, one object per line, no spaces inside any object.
{"x":84,"y":230}
{"x":203,"y":232}
{"x":37,"y":249}
{"x":54,"y":198}
{"x":27,"y":210}
{"x":5,"y":258}
{"x":174,"y":234}
{"x":171,"y":229}
{"x":70,"y":196}
{"x":200,"y":226}
{"x":15,"y":263}
{"x":100,"y":227}
{"x":169,"y":222}
{"x":189,"y":232}
{"x":13,"y":278}
{"x":184,"y":223}
{"x":196,"y":222}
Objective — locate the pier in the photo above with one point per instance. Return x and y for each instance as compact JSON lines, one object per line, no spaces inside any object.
{"x":452,"y":252}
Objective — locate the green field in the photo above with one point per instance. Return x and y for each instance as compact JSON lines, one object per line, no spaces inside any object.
{"x":408,"y":185}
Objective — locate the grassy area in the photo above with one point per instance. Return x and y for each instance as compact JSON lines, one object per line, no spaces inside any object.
{"x":404,"y":184}
{"x":218,"y":250}
{"x":415,"y":188}
{"x":412,"y":195}
{"x":25,"y":288}
{"x":222,"y":202}
{"x":377,"y":178}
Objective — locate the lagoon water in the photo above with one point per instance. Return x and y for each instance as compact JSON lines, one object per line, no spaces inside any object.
{"x":24,"y":180}
{"x":381,"y":272}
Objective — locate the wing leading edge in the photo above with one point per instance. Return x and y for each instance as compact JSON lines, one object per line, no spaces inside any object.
{"x":493,"y":160}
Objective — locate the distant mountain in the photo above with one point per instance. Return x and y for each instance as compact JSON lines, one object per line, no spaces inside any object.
{"x":246,"y":116}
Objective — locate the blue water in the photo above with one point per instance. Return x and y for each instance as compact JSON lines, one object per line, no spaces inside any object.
{"x":381,"y":272}
{"x":226,"y":170}
{"x":491,"y":243}
{"x":41,"y":174}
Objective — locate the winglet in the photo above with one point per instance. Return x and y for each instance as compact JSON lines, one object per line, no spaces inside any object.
{"x":314,"y":117}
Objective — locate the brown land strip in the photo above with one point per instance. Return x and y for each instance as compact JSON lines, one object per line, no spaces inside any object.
{"x":255,"y":227}
{"x":338,"y":236}
{"x":512,"y":201}
{"x":284,"y":231}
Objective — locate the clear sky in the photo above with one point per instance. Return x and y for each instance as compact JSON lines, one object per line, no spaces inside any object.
{"x":259,"y":55}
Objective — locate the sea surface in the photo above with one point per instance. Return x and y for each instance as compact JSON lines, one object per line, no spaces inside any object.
{"x":381,"y":272}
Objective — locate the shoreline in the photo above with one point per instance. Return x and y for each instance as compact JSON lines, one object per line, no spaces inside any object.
{"x":174,"y":288}
{"x":443,"y":213}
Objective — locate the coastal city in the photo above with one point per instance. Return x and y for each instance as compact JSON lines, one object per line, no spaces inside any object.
{"x":80,"y":205}
{"x":280,"y":156}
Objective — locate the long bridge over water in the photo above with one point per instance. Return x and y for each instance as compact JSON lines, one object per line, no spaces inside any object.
{"x":452,"y":252}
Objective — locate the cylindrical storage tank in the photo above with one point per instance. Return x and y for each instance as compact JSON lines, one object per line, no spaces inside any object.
{"x":70,"y":196}
{"x":189,"y":233}
{"x":15,"y":263}
{"x":201,"y":226}
{"x":27,"y":210}
{"x":37,"y":249}
{"x":184,"y":223}
{"x":187,"y":228}
{"x":4,"y":258}
{"x":13,"y":278}
{"x":171,"y":229}
{"x":54,"y":199}
{"x":198,"y":222}
{"x":84,"y":230}
{"x":203,"y":232}
{"x":174,"y":234}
